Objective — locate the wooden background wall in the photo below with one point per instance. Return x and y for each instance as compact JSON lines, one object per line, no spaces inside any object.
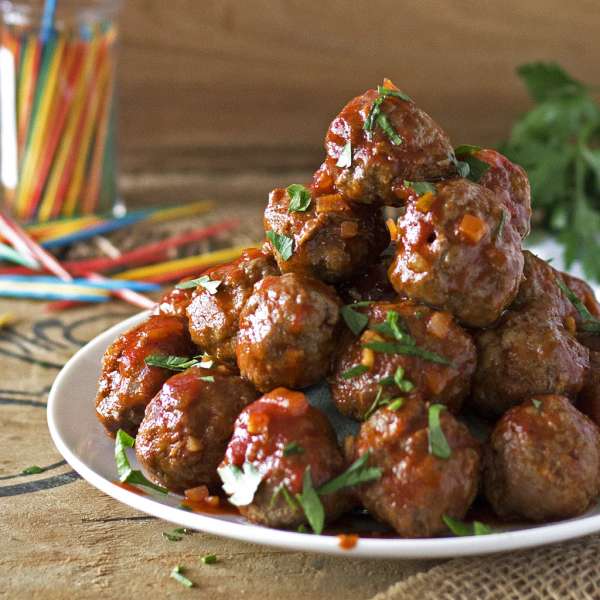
{"x":202,"y":77}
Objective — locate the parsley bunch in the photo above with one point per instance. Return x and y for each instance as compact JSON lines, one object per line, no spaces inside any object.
{"x":558,"y":144}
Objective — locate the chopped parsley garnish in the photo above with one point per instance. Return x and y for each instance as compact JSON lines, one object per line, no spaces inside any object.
{"x":33,"y":470}
{"x":392,"y":404}
{"x":404,"y":385}
{"x":391,"y":328}
{"x":209,"y":559}
{"x":292,"y":448}
{"x":589,"y":324}
{"x":240,"y":484}
{"x":384,"y":91}
{"x":282,"y":243}
{"x":210,"y":285}
{"x":501,"y":224}
{"x":376,"y":117}
{"x":175,"y":535}
{"x":345,"y":158}
{"x":476,"y":167}
{"x":460,"y":528}
{"x":537,"y":404}
{"x":209,"y":378}
{"x":356,"y":474}
{"x":409,"y":350}
{"x":395,"y":404}
{"x":354,"y":371}
{"x":438,"y":444}
{"x":176,"y":574}
{"x":178,"y":363}
{"x":420,"y":187}
{"x":356,"y":321}
{"x":311,"y":504}
{"x":299,"y":198}
{"x":126,"y":474}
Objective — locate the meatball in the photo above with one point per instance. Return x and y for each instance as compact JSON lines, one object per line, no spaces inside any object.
{"x":510,"y":184}
{"x":542,"y":461}
{"x":282,"y":436}
{"x":589,"y":399}
{"x":417,"y":488}
{"x":333,"y":239}
{"x":187,"y":425}
{"x":454,"y":252}
{"x":175,"y":302}
{"x":127,"y":383}
{"x":287,"y":332}
{"x":372,"y":285}
{"x":442,"y":375}
{"x":376,"y":163}
{"x":214,"y":313}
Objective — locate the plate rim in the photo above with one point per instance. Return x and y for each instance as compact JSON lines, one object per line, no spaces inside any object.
{"x":380,"y":548}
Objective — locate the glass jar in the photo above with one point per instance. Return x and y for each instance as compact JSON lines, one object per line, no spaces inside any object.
{"x":57,"y":107}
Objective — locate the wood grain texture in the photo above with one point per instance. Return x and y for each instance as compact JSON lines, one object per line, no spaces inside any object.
{"x":274,"y":72}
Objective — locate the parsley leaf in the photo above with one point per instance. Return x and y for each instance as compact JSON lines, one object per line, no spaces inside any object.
{"x":126,"y":474}
{"x":354,"y":371}
{"x":355,"y":320}
{"x":386,"y":126}
{"x":357,"y":473}
{"x":240,"y":484}
{"x":33,"y":470}
{"x":299,"y":198}
{"x":345,"y":158}
{"x":420,"y":187}
{"x":459,"y":528}
{"x":409,"y":350}
{"x":292,"y":448}
{"x":438,"y":444}
{"x":376,"y":117}
{"x":477,"y":168}
{"x":282,"y":243}
{"x":384,"y":91}
{"x":590,"y":324}
{"x":311,"y":503}
{"x":175,"y":535}
{"x":466,"y":149}
{"x":210,"y":285}
{"x":176,"y":363}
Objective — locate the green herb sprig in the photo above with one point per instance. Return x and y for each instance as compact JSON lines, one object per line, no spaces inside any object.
{"x":558,"y":144}
{"x":178,"y":363}
{"x":210,"y":285}
{"x":299,"y":198}
{"x":477,"y":168}
{"x":460,"y":528}
{"x":377,"y":117}
{"x":438,"y":444}
{"x":589,"y":323}
{"x":356,"y":321}
{"x":282,"y":243}
{"x":177,"y":575}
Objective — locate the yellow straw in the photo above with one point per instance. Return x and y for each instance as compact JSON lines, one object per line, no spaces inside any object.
{"x":204,"y":260}
{"x":7,"y":319}
{"x":179,"y":212}
{"x":26,"y":83}
{"x":47,"y":206}
{"x":39,"y":129}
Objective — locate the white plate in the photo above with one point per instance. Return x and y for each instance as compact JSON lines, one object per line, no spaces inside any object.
{"x":81,"y":440}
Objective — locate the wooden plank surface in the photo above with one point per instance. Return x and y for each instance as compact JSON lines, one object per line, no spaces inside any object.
{"x":274,"y":72}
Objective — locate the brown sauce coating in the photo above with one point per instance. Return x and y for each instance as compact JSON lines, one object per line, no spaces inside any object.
{"x":377,"y":164}
{"x":127,"y":383}
{"x":333,"y":239}
{"x":543,"y":461}
{"x":264,"y":432}
{"x":431,"y":382}
{"x":214,"y":317}
{"x":453,"y":253}
{"x":416,"y":488}
{"x":287,"y":332}
{"x":187,"y":425}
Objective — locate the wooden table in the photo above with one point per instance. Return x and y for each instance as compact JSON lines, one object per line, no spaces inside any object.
{"x":62,"y":538}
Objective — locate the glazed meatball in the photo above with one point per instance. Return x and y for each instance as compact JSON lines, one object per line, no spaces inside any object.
{"x":417,"y":488}
{"x":444,"y":378}
{"x":589,"y":399}
{"x":282,"y":436}
{"x":510,"y":184}
{"x":214,"y":314}
{"x":421,"y":152}
{"x":333,"y":239}
{"x":534,"y":350}
{"x":372,"y":285}
{"x":127,"y":383}
{"x":454,"y":253}
{"x":184,"y":433}
{"x":287,"y":332}
{"x":542,"y":461}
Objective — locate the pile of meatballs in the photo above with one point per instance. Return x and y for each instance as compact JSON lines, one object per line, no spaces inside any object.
{"x":398,"y":277}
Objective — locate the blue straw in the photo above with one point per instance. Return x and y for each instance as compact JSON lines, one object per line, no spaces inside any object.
{"x":111,"y":284}
{"x":46,"y":295}
{"x":48,"y":20}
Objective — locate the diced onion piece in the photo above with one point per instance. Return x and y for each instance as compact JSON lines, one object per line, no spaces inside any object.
{"x":331,"y":203}
{"x":370,"y":336}
{"x":425,"y":202}
{"x":472,"y":228}
{"x":417,"y":263}
{"x":392,"y":228}
{"x":436,"y":380}
{"x":571,"y":325}
{"x":348,"y":229}
{"x":213,"y":501}
{"x":193,"y":444}
{"x":257,"y":423}
{"x":197,"y":494}
{"x":439,"y":324}
{"x":368,"y":358}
